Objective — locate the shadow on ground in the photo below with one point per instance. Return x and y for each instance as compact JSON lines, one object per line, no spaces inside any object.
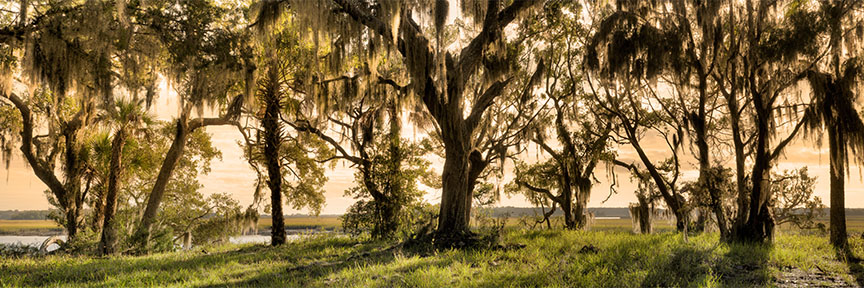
{"x":853,"y":262}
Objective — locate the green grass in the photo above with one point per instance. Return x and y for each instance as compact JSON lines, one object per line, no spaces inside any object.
{"x":550,"y":258}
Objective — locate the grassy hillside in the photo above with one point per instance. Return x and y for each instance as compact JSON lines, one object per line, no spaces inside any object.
{"x":526,"y":258}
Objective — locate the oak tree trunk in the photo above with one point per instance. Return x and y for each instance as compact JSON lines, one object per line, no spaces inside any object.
{"x":72,"y":200}
{"x":454,"y":216}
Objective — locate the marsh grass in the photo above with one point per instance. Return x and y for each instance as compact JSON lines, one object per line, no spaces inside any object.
{"x":29,"y":227}
{"x":549,"y":258}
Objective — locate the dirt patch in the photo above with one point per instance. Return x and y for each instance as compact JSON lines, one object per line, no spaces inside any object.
{"x":794,"y":277}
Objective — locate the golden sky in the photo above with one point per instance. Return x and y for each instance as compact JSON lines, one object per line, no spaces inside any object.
{"x":23,"y":191}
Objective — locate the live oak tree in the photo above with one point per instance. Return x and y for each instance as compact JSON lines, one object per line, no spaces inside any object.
{"x":438,"y":76}
{"x":578,"y":140}
{"x":352,"y":113}
{"x":694,"y":102}
{"x":366,"y":133}
{"x":67,"y":67}
{"x":759,"y":64}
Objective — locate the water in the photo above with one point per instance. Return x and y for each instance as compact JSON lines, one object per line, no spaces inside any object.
{"x":36,"y":241}
{"x":258,"y":239}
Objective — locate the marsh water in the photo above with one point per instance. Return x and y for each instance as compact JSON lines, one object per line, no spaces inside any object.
{"x":36,"y":241}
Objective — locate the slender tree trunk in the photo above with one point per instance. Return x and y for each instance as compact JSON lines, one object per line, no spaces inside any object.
{"x":108,"y":242}
{"x":836,"y":142}
{"x":672,"y":202}
{"x":272,"y":141}
{"x":98,"y":210}
{"x":737,"y":142}
{"x":838,"y":191}
{"x":701,"y":128}
{"x":709,"y":183}
{"x":743,"y":199}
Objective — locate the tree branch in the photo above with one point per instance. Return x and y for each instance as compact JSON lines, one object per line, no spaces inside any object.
{"x":42,"y":170}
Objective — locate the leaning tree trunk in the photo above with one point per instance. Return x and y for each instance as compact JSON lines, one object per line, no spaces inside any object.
{"x":43,"y":169}
{"x":178,"y":146}
{"x":672,"y":202}
{"x":108,"y":242}
{"x":838,"y":201}
{"x":184,"y":128}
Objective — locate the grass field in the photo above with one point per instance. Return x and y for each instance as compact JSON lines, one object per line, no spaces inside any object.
{"x":548,"y":258}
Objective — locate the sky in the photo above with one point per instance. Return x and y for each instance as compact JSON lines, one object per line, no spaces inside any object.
{"x":22,"y":190}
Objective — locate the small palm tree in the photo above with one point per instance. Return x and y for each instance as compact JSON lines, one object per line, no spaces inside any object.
{"x":833,"y":112}
{"x":126,"y":118}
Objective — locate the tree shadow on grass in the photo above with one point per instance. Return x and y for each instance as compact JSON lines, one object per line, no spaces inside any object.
{"x":853,"y":263}
{"x":325,"y":272}
{"x":171,"y":268}
{"x":684,"y":266}
{"x":745,"y":264}
{"x":575,"y":266}
{"x":857,"y":271}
